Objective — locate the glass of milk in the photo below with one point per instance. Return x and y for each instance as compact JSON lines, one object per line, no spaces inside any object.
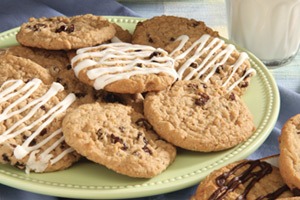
{"x":270,"y":29}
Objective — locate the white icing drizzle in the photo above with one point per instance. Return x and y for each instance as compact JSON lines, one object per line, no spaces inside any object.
{"x":18,"y":87}
{"x":121,"y":60}
{"x":216,"y":56}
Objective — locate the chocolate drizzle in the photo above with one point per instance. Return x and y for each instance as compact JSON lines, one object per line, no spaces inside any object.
{"x":256,"y":170}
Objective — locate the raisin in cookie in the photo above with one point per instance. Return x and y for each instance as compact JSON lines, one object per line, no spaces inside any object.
{"x":161,"y":30}
{"x":246,"y":179}
{"x":124,"y":68}
{"x":199,"y":116}
{"x":31,"y":137}
{"x":211,"y":60}
{"x":65,"y":33}
{"x":13,"y":67}
{"x":119,"y":138}
{"x":289,"y":159}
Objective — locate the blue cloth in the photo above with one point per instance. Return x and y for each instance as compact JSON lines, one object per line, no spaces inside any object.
{"x":14,"y":12}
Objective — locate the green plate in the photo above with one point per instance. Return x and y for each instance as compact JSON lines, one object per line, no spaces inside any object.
{"x":91,"y":181}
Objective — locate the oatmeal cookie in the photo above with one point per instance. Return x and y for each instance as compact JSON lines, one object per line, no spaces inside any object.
{"x":31,"y":137}
{"x":211,"y":59}
{"x":119,"y":138}
{"x":199,"y":116}
{"x":124,"y":68}
{"x":13,"y":67}
{"x":65,"y":33}
{"x":246,"y":179}
{"x":289,"y":159}
{"x":160,"y":31}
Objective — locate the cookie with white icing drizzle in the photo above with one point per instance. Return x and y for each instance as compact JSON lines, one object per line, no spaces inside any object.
{"x":119,"y":138}
{"x":31,"y":137}
{"x":124,"y":68}
{"x":211,"y":60}
{"x":199,"y":116}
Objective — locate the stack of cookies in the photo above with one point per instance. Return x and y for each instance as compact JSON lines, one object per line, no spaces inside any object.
{"x":257,"y":179}
{"x":83,"y":86}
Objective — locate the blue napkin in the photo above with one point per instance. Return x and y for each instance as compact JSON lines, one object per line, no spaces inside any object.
{"x":14,"y":12}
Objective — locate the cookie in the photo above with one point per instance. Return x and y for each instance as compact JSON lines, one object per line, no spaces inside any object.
{"x":246,"y":179}
{"x":59,"y":66}
{"x":211,"y":60}
{"x":13,"y":67}
{"x":122,"y":35}
{"x":124,"y":68}
{"x":119,"y":138}
{"x":289,"y":159}
{"x":30,"y":125}
{"x":199,"y":116}
{"x":160,"y":31}
{"x":65,"y":33}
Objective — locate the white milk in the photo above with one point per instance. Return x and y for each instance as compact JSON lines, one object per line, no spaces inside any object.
{"x":268,"y":28}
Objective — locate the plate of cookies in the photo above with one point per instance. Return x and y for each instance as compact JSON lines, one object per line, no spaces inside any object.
{"x":120,"y":107}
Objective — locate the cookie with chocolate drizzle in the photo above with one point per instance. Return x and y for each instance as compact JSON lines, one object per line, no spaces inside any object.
{"x":65,"y":33}
{"x":246,"y":179}
{"x":289,"y":159}
{"x":199,"y":116}
{"x":116,"y":136}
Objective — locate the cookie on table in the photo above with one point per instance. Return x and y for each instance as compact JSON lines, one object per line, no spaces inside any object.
{"x":289,"y":159}
{"x":119,"y":138}
{"x":13,"y":67}
{"x":124,"y":68}
{"x":211,"y":60}
{"x":65,"y":33}
{"x":160,"y":31}
{"x":199,"y":116}
{"x":31,"y":117}
{"x":246,"y":179}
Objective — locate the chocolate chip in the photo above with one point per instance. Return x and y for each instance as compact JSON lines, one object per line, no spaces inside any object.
{"x":140,"y":65}
{"x":232,"y":96}
{"x":43,"y":107}
{"x":150,"y":40}
{"x":99,"y":133}
{"x":114,"y":139}
{"x":194,"y":65}
{"x":5,"y":158}
{"x":124,"y":147}
{"x":201,"y":101}
{"x":65,"y":28}
{"x":32,"y":143}
{"x":43,"y":132}
{"x":37,"y":27}
{"x":172,"y":39}
{"x":147,"y":150}
{"x":155,"y":54}
{"x":122,"y":129}
{"x":244,"y":84}
{"x":219,"y":69}
{"x":138,"y":50}
{"x":69,"y":67}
